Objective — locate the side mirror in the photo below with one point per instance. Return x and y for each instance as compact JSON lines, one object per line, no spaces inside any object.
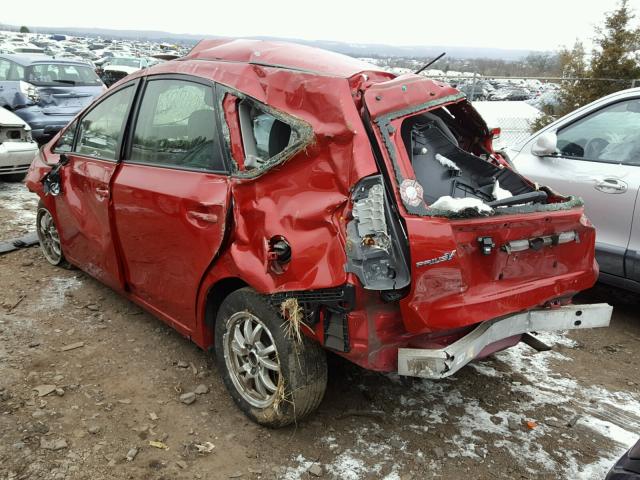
{"x":64,"y":159}
{"x":545,"y":145}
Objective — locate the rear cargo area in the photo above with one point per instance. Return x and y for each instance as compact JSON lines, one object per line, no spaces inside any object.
{"x":484,"y":242}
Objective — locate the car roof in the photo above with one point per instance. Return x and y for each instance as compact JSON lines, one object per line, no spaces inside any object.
{"x":286,"y":55}
{"x":26,"y":60}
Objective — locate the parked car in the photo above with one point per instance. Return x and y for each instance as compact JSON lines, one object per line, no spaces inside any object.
{"x":271,"y":201}
{"x":594,"y":153}
{"x":117,"y":67}
{"x":17,"y":148}
{"x":513,"y":94}
{"x":628,"y":467}
{"x":46,"y":92}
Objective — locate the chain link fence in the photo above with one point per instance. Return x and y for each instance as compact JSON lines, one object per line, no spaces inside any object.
{"x":515,"y":104}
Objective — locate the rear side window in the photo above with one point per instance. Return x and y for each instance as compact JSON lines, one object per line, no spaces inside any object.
{"x":263,"y":135}
{"x":10,"y":71}
{"x":176,"y":127}
{"x":101,"y":129}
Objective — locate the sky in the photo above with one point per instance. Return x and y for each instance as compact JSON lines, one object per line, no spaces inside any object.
{"x":531,"y":25}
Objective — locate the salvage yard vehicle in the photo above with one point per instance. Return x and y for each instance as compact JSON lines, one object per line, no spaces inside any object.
{"x":272,"y":201}
{"x":17,"y":148}
{"x":117,"y":67}
{"x":46,"y":92}
{"x":594,"y":152}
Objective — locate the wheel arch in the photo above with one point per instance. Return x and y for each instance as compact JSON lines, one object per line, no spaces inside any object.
{"x":212,"y":299}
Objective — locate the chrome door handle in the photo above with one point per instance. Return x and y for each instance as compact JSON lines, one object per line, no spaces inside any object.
{"x":611,"y":185}
{"x":204,"y":217}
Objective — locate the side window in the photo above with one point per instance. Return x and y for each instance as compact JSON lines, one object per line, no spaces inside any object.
{"x":610,"y":135}
{"x":4,"y":69}
{"x":101,"y":129}
{"x":263,"y":135}
{"x":10,"y":71}
{"x":176,"y":127}
{"x":65,"y":142}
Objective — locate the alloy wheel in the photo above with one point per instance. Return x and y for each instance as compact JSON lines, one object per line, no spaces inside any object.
{"x":48,"y":237}
{"x":252,"y":359}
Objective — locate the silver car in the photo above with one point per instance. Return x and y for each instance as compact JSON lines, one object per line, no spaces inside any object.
{"x":17,"y":148}
{"x":594,"y":152}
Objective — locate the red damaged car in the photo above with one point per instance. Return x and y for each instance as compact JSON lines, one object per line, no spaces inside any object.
{"x":273,"y":201}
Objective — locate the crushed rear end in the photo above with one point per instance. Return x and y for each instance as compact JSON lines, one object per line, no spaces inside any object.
{"x":474,"y":255}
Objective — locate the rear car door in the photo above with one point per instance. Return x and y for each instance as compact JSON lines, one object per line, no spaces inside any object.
{"x":83,"y":208}
{"x":598,"y":160}
{"x":171,"y":196}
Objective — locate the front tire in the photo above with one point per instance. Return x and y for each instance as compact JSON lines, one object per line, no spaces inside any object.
{"x":273,"y":379}
{"x":49,"y":237}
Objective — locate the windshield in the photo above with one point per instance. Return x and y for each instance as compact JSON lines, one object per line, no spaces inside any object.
{"x":61,"y":74}
{"x":126,"y":62}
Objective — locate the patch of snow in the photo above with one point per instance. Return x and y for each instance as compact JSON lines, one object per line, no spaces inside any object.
{"x":476,"y":427}
{"x":446,"y":162}
{"x":455,"y":205}
{"x":500,"y":193}
{"x":295,"y":473}
{"x":21,"y":202}
{"x":347,"y":467}
{"x":52,"y":297}
{"x":613,"y":415}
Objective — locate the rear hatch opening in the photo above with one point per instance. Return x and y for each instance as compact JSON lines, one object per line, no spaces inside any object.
{"x":456,"y":172}
{"x":483,"y":241}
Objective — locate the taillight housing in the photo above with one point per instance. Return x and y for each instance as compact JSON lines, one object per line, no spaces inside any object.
{"x":374,"y":252}
{"x":29,"y":91}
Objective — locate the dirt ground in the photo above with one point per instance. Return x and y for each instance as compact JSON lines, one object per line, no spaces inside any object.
{"x":568,"y":413}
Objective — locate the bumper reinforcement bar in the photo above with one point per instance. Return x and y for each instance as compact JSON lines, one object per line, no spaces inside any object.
{"x":442,"y":362}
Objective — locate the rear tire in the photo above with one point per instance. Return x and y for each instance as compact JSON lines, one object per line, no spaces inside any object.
{"x":273,"y":379}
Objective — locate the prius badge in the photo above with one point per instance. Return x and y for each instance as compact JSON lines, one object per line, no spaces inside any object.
{"x":442,"y":258}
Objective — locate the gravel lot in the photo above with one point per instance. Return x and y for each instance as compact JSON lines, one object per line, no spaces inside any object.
{"x":568,"y":413}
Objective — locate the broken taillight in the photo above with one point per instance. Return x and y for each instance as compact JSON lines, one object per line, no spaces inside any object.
{"x":373,"y":247}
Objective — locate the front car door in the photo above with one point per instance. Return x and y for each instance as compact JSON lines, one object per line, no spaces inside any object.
{"x":83,"y":208}
{"x":171,"y":196}
{"x":598,"y":160}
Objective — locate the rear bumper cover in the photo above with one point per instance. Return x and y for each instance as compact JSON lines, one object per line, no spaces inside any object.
{"x":442,"y":362}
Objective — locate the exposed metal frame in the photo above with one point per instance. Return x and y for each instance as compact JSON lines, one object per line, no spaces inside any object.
{"x":443,"y":362}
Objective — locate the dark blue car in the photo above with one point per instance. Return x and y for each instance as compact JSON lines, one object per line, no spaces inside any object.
{"x":628,"y":467}
{"x":46,"y":92}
